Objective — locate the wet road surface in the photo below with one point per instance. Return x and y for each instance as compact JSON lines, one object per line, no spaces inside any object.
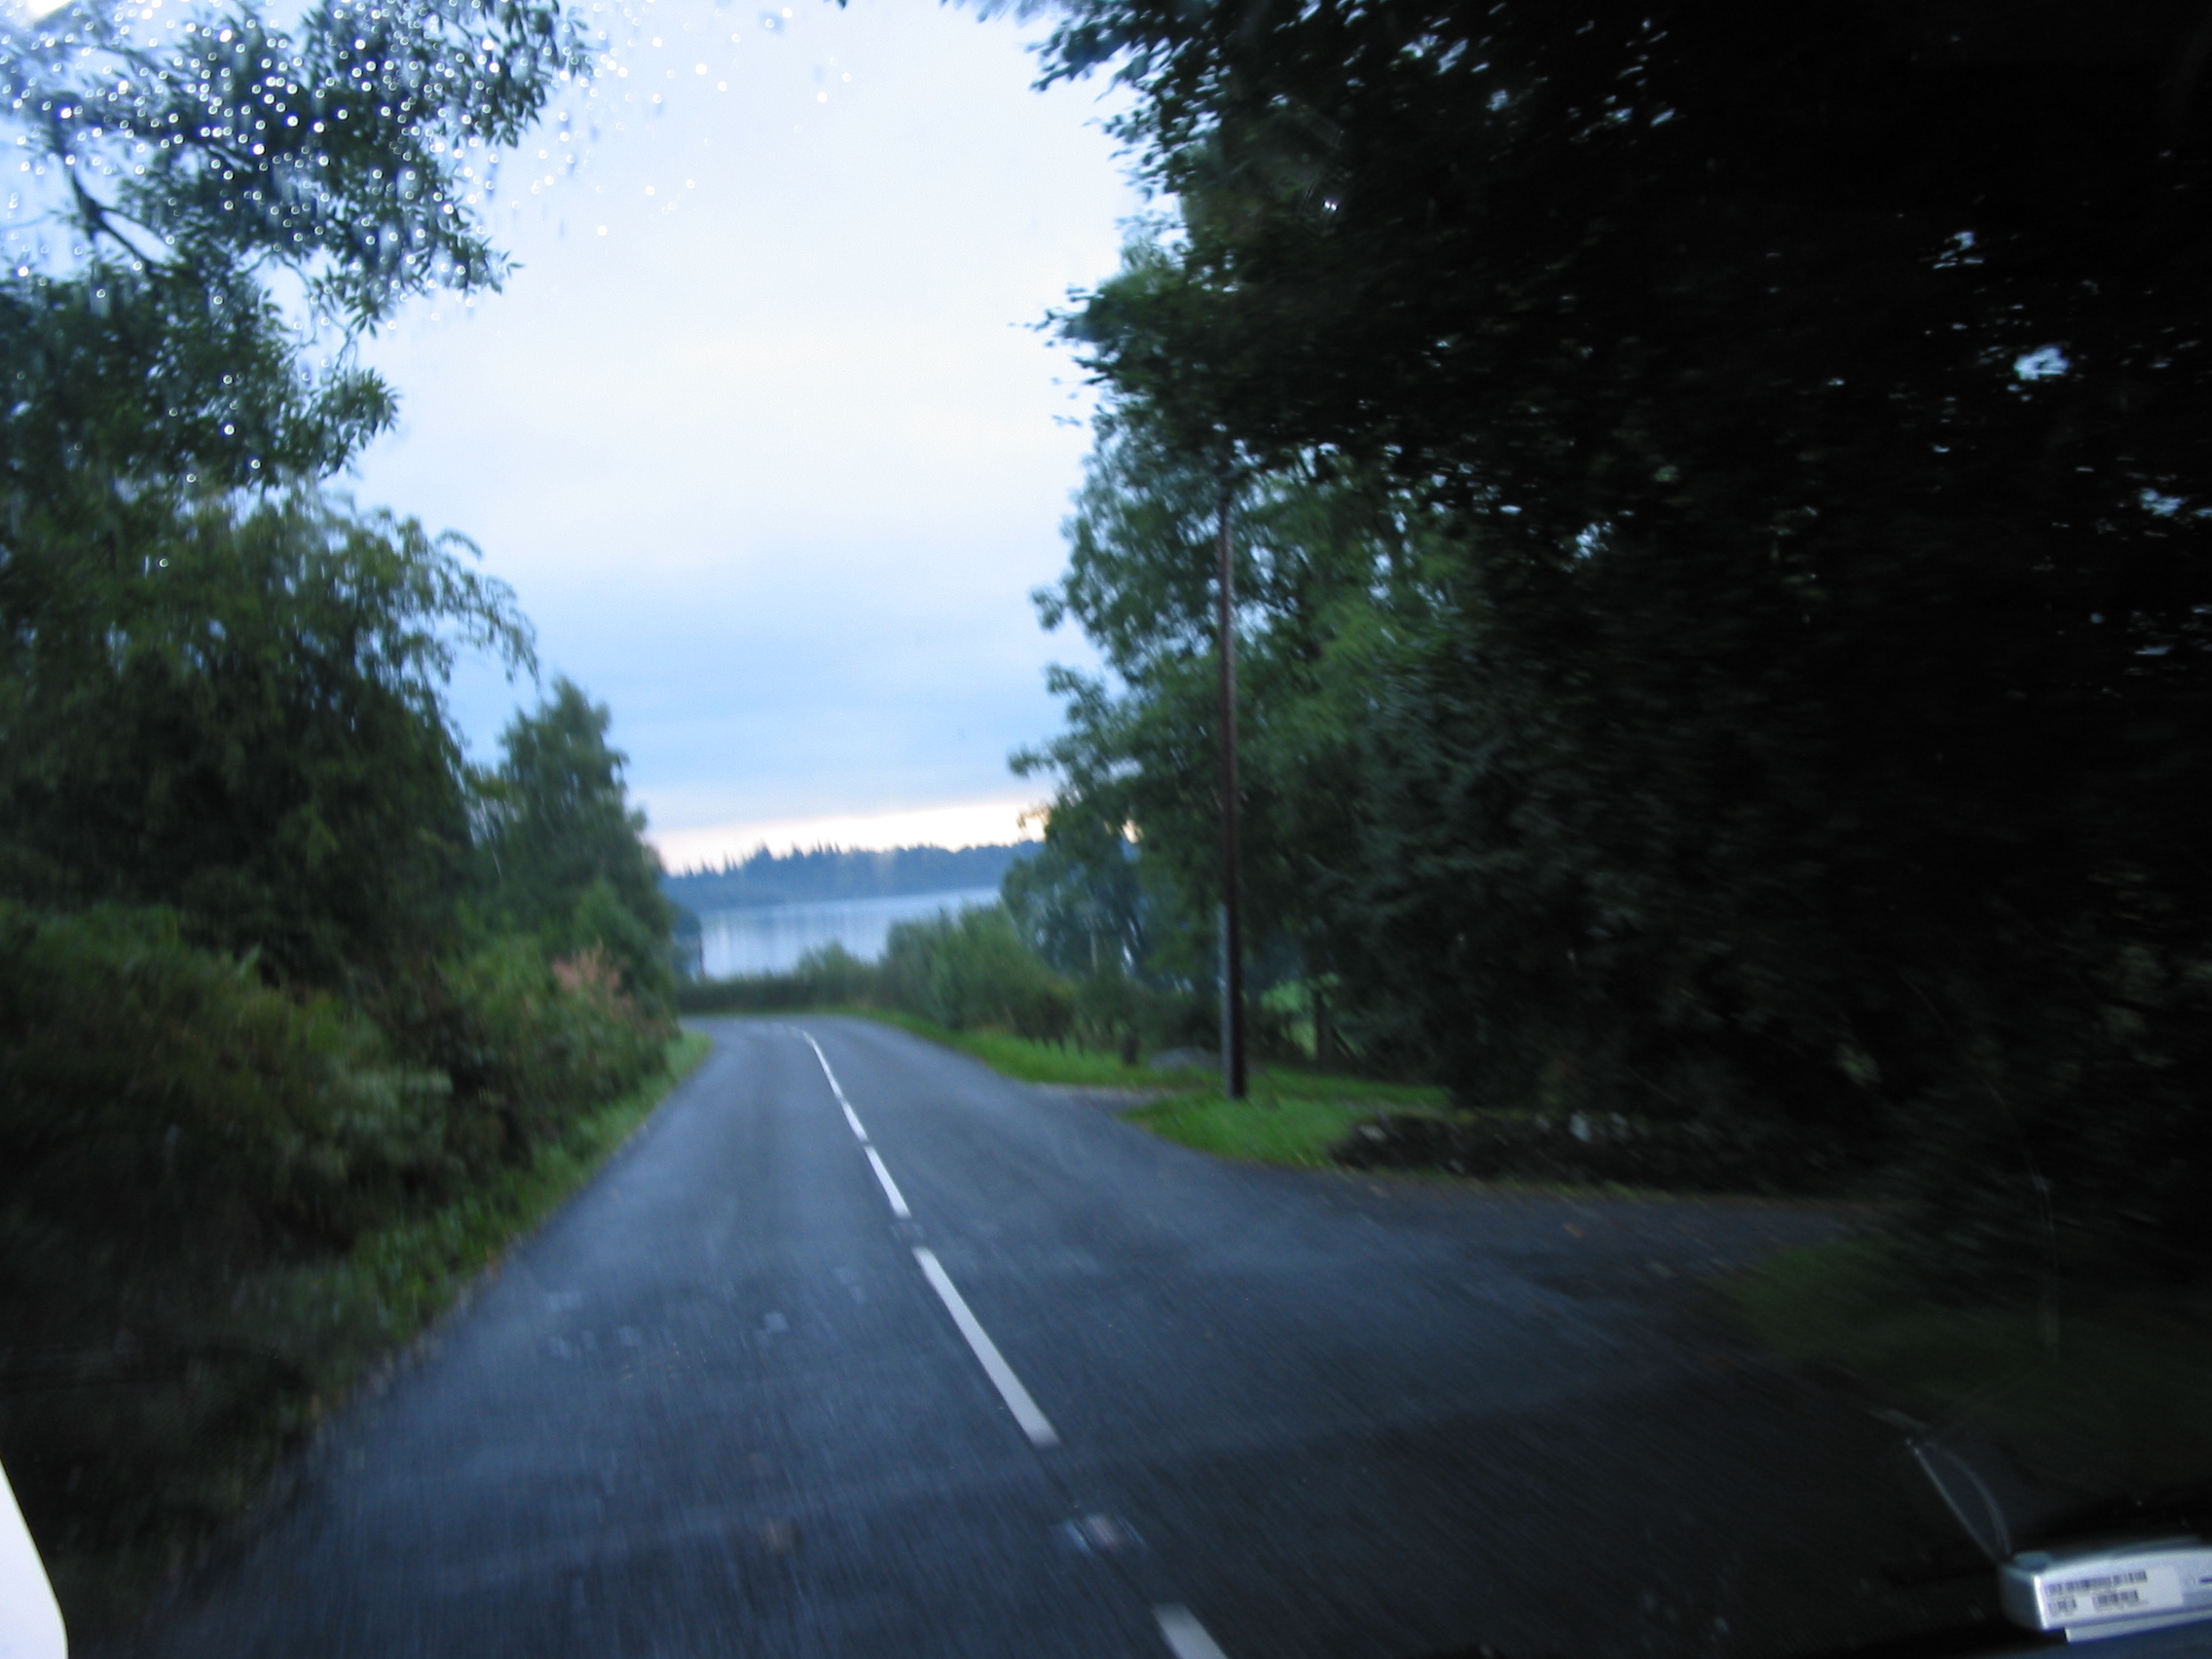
{"x":858,"y":1349}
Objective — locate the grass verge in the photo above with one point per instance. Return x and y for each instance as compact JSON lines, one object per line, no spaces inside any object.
{"x":1293,"y":1129}
{"x":2102,"y":1400}
{"x":1317,"y":1100}
{"x":269,"y":1358}
{"x":1022,"y":1058}
{"x":1029,"y":1060}
{"x":1292,"y":1117}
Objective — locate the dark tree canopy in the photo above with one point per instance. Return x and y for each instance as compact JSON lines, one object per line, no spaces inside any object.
{"x":259,"y":999}
{"x":247,"y":722}
{"x":219,"y":691}
{"x":1776,"y":659}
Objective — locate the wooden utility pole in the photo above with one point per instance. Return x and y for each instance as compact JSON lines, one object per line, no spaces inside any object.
{"x":1233,"y":1072}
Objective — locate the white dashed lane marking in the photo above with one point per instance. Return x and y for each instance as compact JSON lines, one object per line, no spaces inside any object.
{"x":1034,"y":1422}
{"x":890,"y":1187}
{"x":1179,"y":1627}
{"x":1187,"y":1638}
{"x":851,"y":1116}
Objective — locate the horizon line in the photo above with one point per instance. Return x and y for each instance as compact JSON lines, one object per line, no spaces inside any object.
{"x":762,"y":848}
{"x":988,"y":822}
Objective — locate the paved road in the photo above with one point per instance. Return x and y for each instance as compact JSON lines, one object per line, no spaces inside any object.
{"x":1072,"y":1391}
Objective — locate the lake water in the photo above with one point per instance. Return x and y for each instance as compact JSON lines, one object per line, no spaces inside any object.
{"x":771,"y":940}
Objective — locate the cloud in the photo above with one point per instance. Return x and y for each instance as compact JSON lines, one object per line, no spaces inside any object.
{"x":773,"y":467}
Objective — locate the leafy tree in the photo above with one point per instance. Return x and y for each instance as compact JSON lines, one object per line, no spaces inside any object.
{"x":245,"y":1024}
{"x":234,"y":707}
{"x":565,"y":849}
{"x":1079,"y":901}
{"x":187,"y":168}
{"x":973,"y":972}
{"x":1140,"y":751}
{"x":1810,"y":644}
{"x":247,"y":724}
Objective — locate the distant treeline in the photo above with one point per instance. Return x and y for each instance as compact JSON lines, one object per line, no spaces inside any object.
{"x":825,"y":873}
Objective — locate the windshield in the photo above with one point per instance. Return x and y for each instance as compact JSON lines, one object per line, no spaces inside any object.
{"x":1228,"y":830}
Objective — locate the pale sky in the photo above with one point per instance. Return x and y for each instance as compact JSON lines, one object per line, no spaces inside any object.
{"x":772,"y":461}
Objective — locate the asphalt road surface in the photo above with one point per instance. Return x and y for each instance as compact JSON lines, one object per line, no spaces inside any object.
{"x":860,"y":1349}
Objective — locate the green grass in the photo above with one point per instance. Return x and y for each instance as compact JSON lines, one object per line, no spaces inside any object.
{"x":1270,"y":1085}
{"x":2100,"y":1400}
{"x":1291,"y":1118}
{"x":1028,"y":1060}
{"x":1022,"y":1058}
{"x":1295,"y":1129}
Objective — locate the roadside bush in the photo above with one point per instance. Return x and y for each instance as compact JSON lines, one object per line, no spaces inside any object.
{"x":974,"y":971}
{"x":2061,"y":1157}
{"x":828,"y":977}
{"x":174,"y":1135}
{"x":970,"y":971}
{"x":831,"y":973}
{"x":165,"y":1099}
{"x":202,"y":1178}
{"x":1684,"y":1155}
{"x":603,"y":921}
{"x":1109,"y":1012}
{"x":528,"y":1041}
{"x":1120,"y":1013}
